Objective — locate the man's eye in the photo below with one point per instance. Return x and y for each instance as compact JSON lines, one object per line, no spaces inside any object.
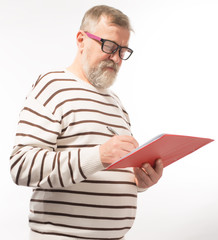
{"x":108,"y":47}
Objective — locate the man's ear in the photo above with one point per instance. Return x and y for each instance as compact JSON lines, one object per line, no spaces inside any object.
{"x":80,"y":40}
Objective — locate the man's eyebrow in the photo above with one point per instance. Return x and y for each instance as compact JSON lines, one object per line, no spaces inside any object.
{"x":115,"y":42}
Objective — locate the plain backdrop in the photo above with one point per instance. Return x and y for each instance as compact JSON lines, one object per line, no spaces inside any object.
{"x":169,"y":85}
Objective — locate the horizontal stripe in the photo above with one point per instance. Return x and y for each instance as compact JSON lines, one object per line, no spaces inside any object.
{"x":81,"y":99}
{"x":82,"y":216}
{"x":32,"y":136}
{"x":93,"y":121}
{"x":109,"y":182}
{"x":74,"y":89}
{"x":25,"y":145}
{"x":87,"y":193}
{"x":41,"y":77}
{"x":76,"y":146}
{"x":84,"y":134}
{"x":50,"y":82}
{"x":74,"y":236}
{"x":38,"y":126}
{"x":78,"y":227}
{"x":91,"y":111}
{"x":41,"y":115}
{"x":83,"y":205}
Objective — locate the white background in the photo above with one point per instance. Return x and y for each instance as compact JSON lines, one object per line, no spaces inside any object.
{"x":168,"y":85}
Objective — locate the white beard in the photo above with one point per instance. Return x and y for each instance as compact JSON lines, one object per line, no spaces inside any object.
{"x":99,"y":76}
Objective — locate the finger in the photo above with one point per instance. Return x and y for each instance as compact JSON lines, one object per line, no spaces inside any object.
{"x":129,"y":139}
{"x":154,"y":176}
{"x":143,"y":180}
{"x":122,"y":144}
{"x":159,"y":167}
{"x":147,"y":168}
{"x":127,"y":147}
{"x":122,"y":153}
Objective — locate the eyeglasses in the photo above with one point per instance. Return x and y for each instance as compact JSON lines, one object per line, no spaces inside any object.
{"x":111,"y":47}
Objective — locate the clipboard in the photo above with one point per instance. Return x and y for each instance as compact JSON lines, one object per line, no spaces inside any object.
{"x":167,"y":147}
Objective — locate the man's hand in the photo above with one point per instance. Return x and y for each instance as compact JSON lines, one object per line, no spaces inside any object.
{"x":146,"y":176}
{"x":116,"y":148}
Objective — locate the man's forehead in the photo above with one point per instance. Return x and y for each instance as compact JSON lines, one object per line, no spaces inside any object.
{"x":106,"y":22}
{"x":106,"y":29}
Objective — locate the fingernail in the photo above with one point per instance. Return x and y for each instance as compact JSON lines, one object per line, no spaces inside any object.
{"x":145,"y":165}
{"x":159,"y":161}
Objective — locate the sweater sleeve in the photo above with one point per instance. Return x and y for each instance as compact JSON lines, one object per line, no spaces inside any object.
{"x":140,"y":190}
{"x":35,"y":161}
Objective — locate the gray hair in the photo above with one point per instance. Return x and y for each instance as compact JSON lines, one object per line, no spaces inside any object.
{"x":115,"y":16}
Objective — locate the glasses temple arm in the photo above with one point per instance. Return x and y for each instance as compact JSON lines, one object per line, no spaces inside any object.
{"x":93,"y":36}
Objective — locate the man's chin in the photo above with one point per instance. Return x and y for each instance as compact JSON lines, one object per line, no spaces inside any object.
{"x":103,"y":83}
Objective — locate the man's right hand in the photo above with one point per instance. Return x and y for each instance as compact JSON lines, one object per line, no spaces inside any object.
{"x":116,"y":148}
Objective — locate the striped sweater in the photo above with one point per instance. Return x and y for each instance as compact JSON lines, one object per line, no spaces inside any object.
{"x":56,"y":152}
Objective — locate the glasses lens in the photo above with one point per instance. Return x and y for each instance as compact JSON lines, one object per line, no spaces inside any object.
{"x":125,"y":53}
{"x":109,"y":47}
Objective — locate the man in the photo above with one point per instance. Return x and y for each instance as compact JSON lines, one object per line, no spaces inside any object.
{"x":63,"y":144}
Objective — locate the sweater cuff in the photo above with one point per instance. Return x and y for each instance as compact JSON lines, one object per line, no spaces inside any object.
{"x":140,"y":190}
{"x":90,"y":160}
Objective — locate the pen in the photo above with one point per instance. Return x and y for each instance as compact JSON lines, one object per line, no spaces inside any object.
{"x":112,"y":130}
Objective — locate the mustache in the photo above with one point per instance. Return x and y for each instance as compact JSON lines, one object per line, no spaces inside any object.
{"x":110,"y":64}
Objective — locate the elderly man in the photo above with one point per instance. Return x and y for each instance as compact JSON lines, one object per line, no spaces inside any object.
{"x":63,"y":145}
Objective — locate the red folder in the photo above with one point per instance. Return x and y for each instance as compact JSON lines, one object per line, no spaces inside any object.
{"x":169,"y":148}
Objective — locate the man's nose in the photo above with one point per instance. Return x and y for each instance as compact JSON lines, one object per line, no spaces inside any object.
{"x":115,"y":57}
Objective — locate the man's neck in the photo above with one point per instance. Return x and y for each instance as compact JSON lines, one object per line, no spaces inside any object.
{"x":76,"y":69}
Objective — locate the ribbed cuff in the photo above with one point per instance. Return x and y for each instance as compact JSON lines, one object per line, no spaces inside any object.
{"x":90,"y":160}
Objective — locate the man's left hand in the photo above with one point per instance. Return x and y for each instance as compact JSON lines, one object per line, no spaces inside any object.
{"x":147,"y":176}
